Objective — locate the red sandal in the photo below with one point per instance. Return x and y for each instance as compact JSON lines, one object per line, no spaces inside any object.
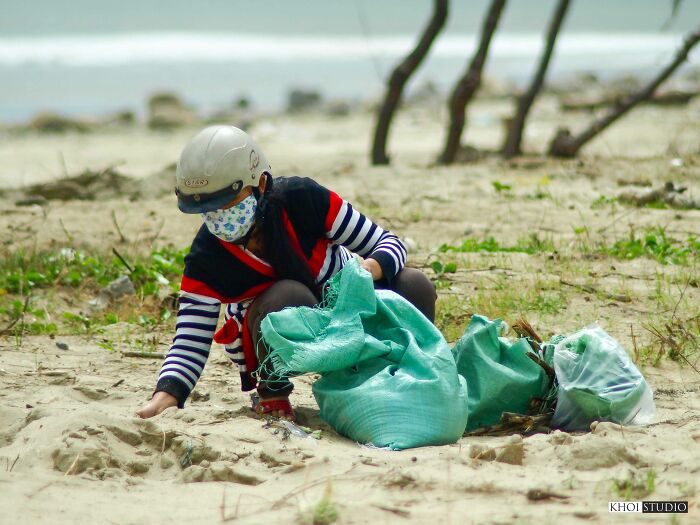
{"x":265,"y":406}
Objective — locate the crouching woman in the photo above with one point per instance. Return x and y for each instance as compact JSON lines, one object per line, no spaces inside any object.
{"x":265,"y":244}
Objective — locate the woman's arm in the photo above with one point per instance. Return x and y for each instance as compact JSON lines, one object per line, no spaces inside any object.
{"x":350,"y":228}
{"x":196,"y":324}
{"x":324,"y":213}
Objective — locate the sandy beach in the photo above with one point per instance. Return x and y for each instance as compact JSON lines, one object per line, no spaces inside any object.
{"x":72,"y":450}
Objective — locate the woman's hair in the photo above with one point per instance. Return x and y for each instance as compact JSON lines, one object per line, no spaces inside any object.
{"x":277,"y":245}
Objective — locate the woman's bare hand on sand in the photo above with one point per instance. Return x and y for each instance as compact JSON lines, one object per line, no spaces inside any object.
{"x":159,"y":402}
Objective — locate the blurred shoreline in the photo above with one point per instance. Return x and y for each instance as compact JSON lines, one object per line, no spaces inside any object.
{"x":166,"y":110}
{"x":99,"y":74}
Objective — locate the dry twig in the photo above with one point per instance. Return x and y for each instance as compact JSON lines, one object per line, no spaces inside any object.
{"x":16,"y":319}
{"x":122,"y":238}
{"x":145,"y":355}
{"x":122,"y":259}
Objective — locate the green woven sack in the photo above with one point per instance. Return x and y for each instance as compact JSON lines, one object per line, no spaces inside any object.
{"x":500,"y":376}
{"x":388,"y":377}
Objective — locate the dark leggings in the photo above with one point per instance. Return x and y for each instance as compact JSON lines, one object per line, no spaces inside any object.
{"x":410,"y":283}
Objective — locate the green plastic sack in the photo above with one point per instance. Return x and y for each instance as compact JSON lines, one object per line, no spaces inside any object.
{"x":500,"y":377}
{"x":598,"y":382}
{"x":388,"y":377}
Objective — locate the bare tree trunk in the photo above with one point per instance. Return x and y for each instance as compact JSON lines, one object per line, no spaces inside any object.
{"x":400,"y":76}
{"x":468,"y":84}
{"x":511,"y":146}
{"x":565,"y":144}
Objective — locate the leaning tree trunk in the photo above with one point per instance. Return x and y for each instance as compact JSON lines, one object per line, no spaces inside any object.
{"x":468,"y":84}
{"x":400,"y":76}
{"x":514,"y":138}
{"x":565,"y":144}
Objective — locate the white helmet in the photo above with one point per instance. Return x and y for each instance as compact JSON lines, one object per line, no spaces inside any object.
{"x":214,"y":166}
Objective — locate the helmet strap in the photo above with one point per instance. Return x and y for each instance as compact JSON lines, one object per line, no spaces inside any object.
{"x":261,"y":199}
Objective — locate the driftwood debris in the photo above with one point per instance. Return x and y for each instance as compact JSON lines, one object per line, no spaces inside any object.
{"x":399,"y":77}
{"x":525,"y":329}
{"x":514,"y":138}
{"x":544,"y":495}
{"x":672,"y":97}
{"x":669,"y":194}
{"x":565,"y":144}
{"x":511,"y":423}
{"x":88,"y":185}
{"x":469,"y":83}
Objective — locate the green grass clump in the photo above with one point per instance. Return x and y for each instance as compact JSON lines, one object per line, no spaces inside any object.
{"x":603,"y":201}
{"x":497,"y":299}
{"x":505,"y":300}
{"x":22,"y":271}
{"x":323,"y":513}
{"x":675,"y":338}
{"x":29,"y":281}
{"x":531,"y":244}
{"x":40,"y":322}
{"x":636,"y":486}
{"x":451,"y":316}
{"x":656,"y":245}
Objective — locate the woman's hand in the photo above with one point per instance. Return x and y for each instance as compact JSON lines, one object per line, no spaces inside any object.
{"x":373,"y":267}
{"x":159,"y":402}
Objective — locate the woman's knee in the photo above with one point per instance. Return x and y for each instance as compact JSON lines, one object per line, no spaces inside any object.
{"x":282,"y":294}
{"x":415,"y":282}
{"x":415,"y":287}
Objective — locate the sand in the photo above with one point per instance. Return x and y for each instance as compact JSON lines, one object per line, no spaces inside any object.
{"x":71,"y":450}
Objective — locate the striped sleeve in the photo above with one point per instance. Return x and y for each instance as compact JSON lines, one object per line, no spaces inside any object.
{"x":235,"y":312}
{"x":196,"y":323}
{"x":348,"y":227}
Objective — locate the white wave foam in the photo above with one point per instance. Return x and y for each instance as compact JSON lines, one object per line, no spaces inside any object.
{"x":110,"y":50}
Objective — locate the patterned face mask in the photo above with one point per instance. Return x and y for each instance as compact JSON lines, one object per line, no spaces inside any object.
{"x":232,"y":224}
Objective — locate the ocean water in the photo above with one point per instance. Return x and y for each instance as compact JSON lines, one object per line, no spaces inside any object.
{"x":94,"y":57}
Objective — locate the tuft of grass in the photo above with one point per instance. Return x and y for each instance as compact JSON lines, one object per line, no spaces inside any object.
{"x":324,"y":512}
{"x":603,"y":201}
{"x":497,"y":298}
{"x":677,"y":339}
{"x":540,"y":194}
{"x":500,"y":298}
{"x":656,"y":244}
{"x":531,"y":244}
{"x":22,"y":271}
{"x":451,"y":317}
{"x":500,"y":187}
{"x":29,"y":280}
{"x":81,"y":324}
{"x":441,"y":269}
{"x":636,"y":486}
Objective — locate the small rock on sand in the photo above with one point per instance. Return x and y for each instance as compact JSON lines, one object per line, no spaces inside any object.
{"x":513,"y":452}
{"x":95,"y":394}
{"x":119,"y":287}
{"x":591,"y":452}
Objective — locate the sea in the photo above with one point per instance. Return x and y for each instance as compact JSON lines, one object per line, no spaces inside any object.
{"x":92,"y":57}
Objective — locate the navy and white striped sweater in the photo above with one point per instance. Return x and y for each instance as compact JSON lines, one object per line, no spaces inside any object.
{"x":324,"y":226}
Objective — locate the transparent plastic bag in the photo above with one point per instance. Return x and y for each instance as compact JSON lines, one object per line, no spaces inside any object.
{"x":598,"y":382}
